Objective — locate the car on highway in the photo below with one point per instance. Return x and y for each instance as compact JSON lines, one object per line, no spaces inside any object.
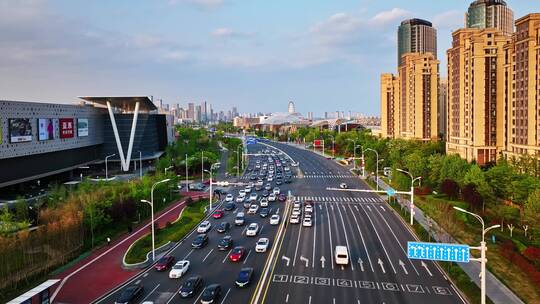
{"x":296,"y":211}
{"x":200,"y":241}
{"x":164,"y":263}
{"x":264,"y":202}
{"x":294,"y":164}
{"x":272,"y":197}
{"x":343,"y":186}
{"x":270,"y":178}
{"x":248,"y":189}
{"x":225,"y":243}
{"x":262,"y":245}
{"x":229,"y":206}
{"x":240,"y":198}
{"x":279,"y":181}
{"x":341,"y":255}
{"x":240,"y":219}
{"x":268,"y":187}
{"x":211,"y":294}
{"x":258,"y":188}
{"x":244,"y":277}
{"x":179,"y":269}
{"x":247,"y":204}
{"x":253,"y":197}
{"x":265,"y":193}
{"x":307,"y":222}
{"x":218,"y":214}
{"x":252,"y":229}
{"x":308,"y":208}
{"x":130,"y":295}
{"x":242,"y":192}
{"x":253,"y":209}
{"x":223,"y":227}
{"x":229,"y":198}
{"x":274,"y":219}
{"x":264,"y":212}
{"x":297,"y":204}
{"x":282,"y":197}
{"x":237,"y":253}
{"x":294,"y":219}
{"x":191,"y":286}
{"x":276,"y":191}
{"x":204,"y":227}
{"x":259,"y":183}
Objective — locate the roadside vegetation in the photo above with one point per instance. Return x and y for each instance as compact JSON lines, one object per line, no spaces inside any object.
{"x":235,"y":154}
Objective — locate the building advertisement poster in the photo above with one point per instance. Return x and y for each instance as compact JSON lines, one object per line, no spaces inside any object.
{"x":82,"y":127}
{"x":20,"y":130}
{"x":45,"y":129}
{"x":67,"y":129}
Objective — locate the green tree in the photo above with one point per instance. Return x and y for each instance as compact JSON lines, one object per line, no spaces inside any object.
{"x":531,"y":211}
{"x":476,"y":177}
{"x":453,"y":167}
{"x":500,"y":178}
{"x":20,"y":208}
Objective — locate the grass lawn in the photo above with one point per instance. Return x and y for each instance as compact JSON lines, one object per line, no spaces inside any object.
{"x":174,"y":232}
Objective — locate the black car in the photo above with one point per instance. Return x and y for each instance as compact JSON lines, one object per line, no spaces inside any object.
{"x":225,"y":243}
{"x":247,"y":204}
{"x":191,"y":286}
{"x":253,"y":177}
{"x":278,"y":181}
{"x":130,"y":294}
{"x":264,"y":212}
{"x":265,"y":193}
{"x":223,"y":227}
{"x":200,"y":241}
{"x":211,"y":294}
{"x":258,"y":188}
{"x":288,"y":180}
{"x":229,"y":206}
{"x":244,"y":277}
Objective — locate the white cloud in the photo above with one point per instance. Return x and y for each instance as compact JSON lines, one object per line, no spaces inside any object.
{"x":452,"y":19}
{"x":228,"y":33}
{"x":392,"y":16}
{"x":204,"y":4}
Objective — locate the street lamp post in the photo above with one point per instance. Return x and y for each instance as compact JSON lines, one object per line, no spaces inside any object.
{"x":238,"y":161}
{"x":186,"y":175}
{"x":483,"y":249}
{"x":333,"y":147}
{"x":354,"y":152}
{"x":413,"y":179}
{"x":210,"y":172}
{"x":106,"y":167}
{"x":168,"y":168}
{"x":151,"y":203}
{"x":377,"y":166}
{"x":140,"y":164}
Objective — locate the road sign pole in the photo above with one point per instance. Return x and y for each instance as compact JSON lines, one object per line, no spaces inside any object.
{"x":483,"y":261}
{"x":412,"y":205}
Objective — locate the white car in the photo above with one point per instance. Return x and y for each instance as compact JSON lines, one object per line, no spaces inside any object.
{"x":253,"y":209}
{"x":242,"y":192}
{"x":264,"y":202}
{"x":229,"y":198}
{"x":252,"y":229}
{"x":248,"y":189}
{"x":308,"y":208}
{"x":276,"y":191}
{"x":179,"y":269}
{"x":259,"y":183}
{"x":296,"y":211}
{"x":343,"y":186}
{"x":297,"y":204}
{"x":253,"y":197}
{"x":274,"y":219}
{"x":269,"y":178}
{"x":294,"y":164}
{"x":294,"y":219}
{"x":272,"y":197}
{"x":240,"y":199}
{"x":262,"y":245}
{"x":204,"y":227}
{"x":307,"y":222}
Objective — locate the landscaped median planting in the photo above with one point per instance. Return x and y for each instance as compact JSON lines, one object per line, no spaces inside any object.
{"x":171,"y":232}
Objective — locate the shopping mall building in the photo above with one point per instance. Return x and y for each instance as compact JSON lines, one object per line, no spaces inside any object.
{"x":40,"y":140}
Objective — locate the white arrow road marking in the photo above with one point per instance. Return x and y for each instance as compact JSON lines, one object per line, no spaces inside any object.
{"x":306,"y":260}
{"x":380,"y":262}
{"x":332,"y":206}
{"x":382,"y":208}
{"x":286,"y":259}
{"x":403,"y":266}
{"x":320,"y":207}
{"x":277,"y":211}
{"x":343,"y":207}
{"x":361,"y":264}
{"x":368,"y":207}
{"x":322,"y":261}
{"x":357,"y":208}
{"x":427,"y":269}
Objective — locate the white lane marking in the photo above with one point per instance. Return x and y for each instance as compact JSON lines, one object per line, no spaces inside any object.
{"x":145,"y":275}
{"x":362,"y":237}
{"x":260,"y":231}
{"x":380,"y":240}
{"x":208,"y":254}
{"x":247,"y":256}
{"x":287,"y":299}
{"x":152,"y":291}
{"x":304,"y":259}
{"x":297,"y":243}
{"x":225,"y":258}
{"x":198,"y":297}
{"x":403,"y":266}
{"x":345,"y":231}
{"x":314,"y":236}
{"x":309,"y":301}
{"x":189,"y":253}
{"x":380,"y":262}
{"x":427,"y":269}
{"x":225,"y":297}
{"x":330,"y":232}
{"x":137,"y":282}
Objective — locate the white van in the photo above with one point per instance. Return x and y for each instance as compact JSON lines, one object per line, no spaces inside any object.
{"x":342,"y":255}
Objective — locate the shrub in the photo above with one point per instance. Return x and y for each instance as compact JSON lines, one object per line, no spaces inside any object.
{"x":189,"y":201}
{"x":533,"y":254}
{"x":507,"y":250}
{"x":450,"y":188}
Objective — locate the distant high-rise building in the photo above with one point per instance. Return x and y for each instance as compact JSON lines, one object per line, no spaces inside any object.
{"x":198,"y":113}
{"x":325,"y":115}
{"x":484,"y":14}
{"x":310,"y":115}
{"x":291,"y":109}
{"x":191,"y":111}
{"x":204,"y":112}
{"x":390,"y":105}
{"x":416,"y":36}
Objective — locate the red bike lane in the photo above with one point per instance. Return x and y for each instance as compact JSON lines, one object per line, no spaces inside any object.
{"x":102,"y":270}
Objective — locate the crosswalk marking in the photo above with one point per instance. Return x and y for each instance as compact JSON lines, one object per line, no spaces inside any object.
{"x":340,"y":199}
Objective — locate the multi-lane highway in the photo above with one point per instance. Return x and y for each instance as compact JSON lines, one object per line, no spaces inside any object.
{"x":379,"y":272}
{"x":213,"y":265}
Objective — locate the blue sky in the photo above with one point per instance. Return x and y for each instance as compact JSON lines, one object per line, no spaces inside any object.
{"x":257,"y":55}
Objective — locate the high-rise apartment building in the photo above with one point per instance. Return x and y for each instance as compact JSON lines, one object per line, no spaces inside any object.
{"x":522,"y":89}
{"x":191,"y":111}
{"x":416,"y":36}
{"x":484,"y":14}
{"x":442,"y":107}
{"x":389,"y":105}
{"x":476,"y":94}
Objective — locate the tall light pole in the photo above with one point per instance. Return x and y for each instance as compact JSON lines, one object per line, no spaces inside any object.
{"x":483,"y":249}
{"x":354,"y":151}
{"x":413,"y":179}
{"x":168,"y":168}
{"x":186,"y":175}
{"x":377,"y":166}
{"x":238,"y":160}
{"x":106,"y":167}
{"x":151,"y":203}
{"x":140,"y":164}
{"x":210,"y":172}
{"x":333,"y":147}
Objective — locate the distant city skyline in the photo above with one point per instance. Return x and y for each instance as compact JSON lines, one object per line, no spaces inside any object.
{"x":226,"y":52}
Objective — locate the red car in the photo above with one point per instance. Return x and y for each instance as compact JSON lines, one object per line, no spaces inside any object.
{"x":237,"y":253}
{"x":164,"y":263}
{"x":218,"y":214}
{"x":282,"y":197}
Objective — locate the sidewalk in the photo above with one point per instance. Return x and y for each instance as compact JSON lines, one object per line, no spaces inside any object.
{"x":102,"y":270}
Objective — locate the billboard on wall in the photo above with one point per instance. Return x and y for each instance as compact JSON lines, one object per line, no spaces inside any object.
{"x":82,"y":127}
{"x":67,"y":129}
{"x":45,"y":129}
{"x":20,"y":130}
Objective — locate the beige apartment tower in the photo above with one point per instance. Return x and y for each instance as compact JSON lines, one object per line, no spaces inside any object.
{"x":476,"y":109}
{"x":522,"y":87}
{"x":389,"y":105}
